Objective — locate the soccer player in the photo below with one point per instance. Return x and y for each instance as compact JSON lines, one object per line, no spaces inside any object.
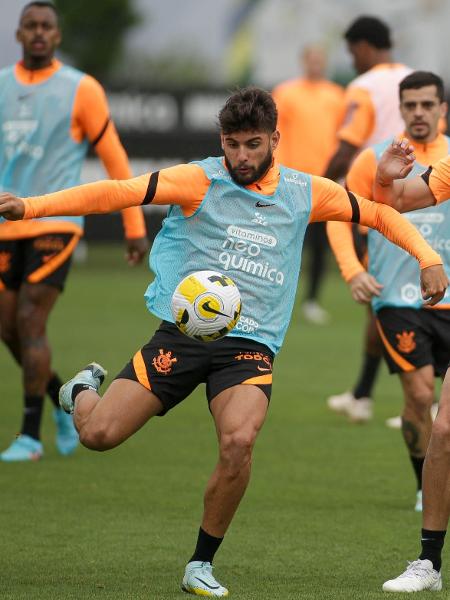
{"x":310,"y":112}
{"x":244,"y":215}
{"x":50,"y":114}
{"x":416,"y":340}
{"x":431,"y":188}
{"x":372,"y":115}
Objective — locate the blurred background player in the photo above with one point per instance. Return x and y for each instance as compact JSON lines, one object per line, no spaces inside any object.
{"x":428,"y":189}
{"x":50,"y":115}
{"x":372,"y":114}
{"x":310,"y":112}
{"x":416,"y":341}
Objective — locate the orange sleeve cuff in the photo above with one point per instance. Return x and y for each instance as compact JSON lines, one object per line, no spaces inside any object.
{"x":340,"y":236}
{"x":134,"y":223}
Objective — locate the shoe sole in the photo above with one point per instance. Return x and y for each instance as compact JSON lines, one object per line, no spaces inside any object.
{"x":200,"y":592}
{"x":34,"y":457}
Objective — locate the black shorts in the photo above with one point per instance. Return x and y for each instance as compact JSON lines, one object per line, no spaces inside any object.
{"x":415,"y":338}
{"x":42,"y":259}
{"x":172,"y":365}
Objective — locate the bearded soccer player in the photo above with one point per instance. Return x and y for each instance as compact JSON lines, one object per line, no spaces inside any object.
{"x":50,"y":115}
{"x":216,"y":204}
{"x":372,"y":115}
{"x":416,"y":340}
{"x":430,"y":189}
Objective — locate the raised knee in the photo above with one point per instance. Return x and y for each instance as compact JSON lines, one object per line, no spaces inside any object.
{"x":98,"y":438}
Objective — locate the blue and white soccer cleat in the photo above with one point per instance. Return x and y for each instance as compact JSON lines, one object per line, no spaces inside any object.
{"x":198,"y":580}
{"x":66,"y":434}
{"x":92,"y":376}
{"x":24,"y":447}
{"x":418,"y":576}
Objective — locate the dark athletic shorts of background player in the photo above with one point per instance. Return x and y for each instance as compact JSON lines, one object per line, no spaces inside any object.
{"x":41,"y":259}
{"x":413,"y":338}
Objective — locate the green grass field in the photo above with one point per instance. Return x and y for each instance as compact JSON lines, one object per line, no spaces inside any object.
{"x":328,"y":513}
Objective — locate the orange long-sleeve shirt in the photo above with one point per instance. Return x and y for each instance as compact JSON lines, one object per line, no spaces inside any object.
{"x":439,"y":181}
{"x":360,"y":179}
{"x":89,"y":119}
{"x":186,"y":186}
{"x":309,"y":116}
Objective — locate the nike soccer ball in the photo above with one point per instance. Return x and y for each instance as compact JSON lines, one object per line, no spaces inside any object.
{"x":206,"y":305}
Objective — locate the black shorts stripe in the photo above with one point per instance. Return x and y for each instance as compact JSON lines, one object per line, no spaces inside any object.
{"x":355,"y":208}
{"x":426,"y":176}
{"x":101,"y":134}
{"x":151,"y":190}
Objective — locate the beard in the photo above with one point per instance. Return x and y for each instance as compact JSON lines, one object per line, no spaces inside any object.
{"x":425,"y":131}
{"x":254,"y":174}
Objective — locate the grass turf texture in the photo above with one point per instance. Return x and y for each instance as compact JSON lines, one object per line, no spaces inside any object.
{"x":329,"y":511}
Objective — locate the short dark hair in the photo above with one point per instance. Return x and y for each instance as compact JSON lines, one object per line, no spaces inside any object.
{"x":371,"y":30}
{"x":419,"y":79}
{"x":39,"y":4}
{"x":249,"y":109}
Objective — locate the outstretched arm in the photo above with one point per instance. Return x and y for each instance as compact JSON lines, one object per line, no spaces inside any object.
{"x":332,"y":202}
{"x":391,"y":188}
{"x":184,"y":185}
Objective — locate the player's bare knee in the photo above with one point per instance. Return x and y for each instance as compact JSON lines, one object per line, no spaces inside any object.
{"x":419,"y":402}
{"x":29,"y":322}
{"x":236,"y":449}
{"x":441,"y":434}
{"x":97,"y":437}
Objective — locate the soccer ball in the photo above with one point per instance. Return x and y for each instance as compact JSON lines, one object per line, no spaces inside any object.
{"x":206,"y":305}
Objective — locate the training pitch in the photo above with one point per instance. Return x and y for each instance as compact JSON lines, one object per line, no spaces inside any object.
{"x":329,"y":511}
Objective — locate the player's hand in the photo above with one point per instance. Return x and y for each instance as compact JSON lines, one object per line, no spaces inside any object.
{"x":137,"y":248}
{"x":396,"y":162}
{"x":363,"y":287}
{"x":434,"y":282}
{"x":11,"y":208}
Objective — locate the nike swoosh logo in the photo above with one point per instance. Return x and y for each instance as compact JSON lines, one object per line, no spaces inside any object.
{"x":259,"y":205}
{"x":211,"y":587}
{"x":262,"y":368}
{"x":210,"y":309}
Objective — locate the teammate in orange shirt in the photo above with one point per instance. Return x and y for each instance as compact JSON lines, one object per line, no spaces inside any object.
{"x":50,"y":114}
{"x":310,"y":112}
{"x":423,"y":352}
{"x":372,"y":115}
{"x":216,"y":204}
{"x":428,"y":189}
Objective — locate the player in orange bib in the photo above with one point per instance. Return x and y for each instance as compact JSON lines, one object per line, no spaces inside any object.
{"x":416,"y":340}
{"x":51,"y":114}
{"x":428,"y":189}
